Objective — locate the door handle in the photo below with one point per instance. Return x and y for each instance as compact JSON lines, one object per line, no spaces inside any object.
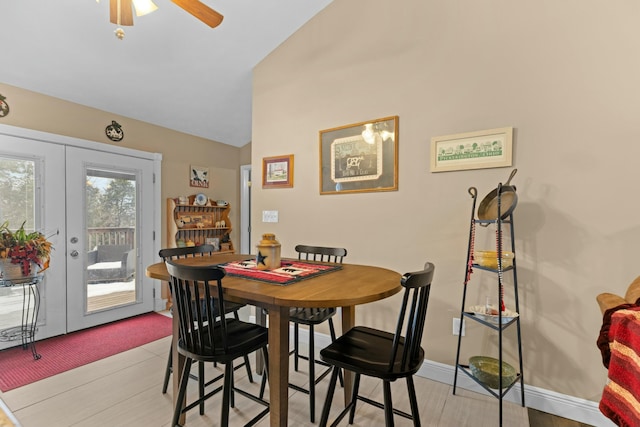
{"x":74,"y":254}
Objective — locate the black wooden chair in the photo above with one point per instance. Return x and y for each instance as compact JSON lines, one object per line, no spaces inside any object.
{"x":229,"y":307}
{"x":311,"y":317}
{"x":206,"y":337}
{"x":387,"y":356}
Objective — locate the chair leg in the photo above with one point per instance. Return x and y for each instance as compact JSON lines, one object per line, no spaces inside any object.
{"x":226,"y":394}
{"x":182,"y":391}
{"x":265,"y":371}
{"x":327,"y":403}
{"x":263,"y":385}
{"x":388,"y":404}
{"x":201,"y":385}
{"x":232,"y":400}
{"x":167,"y":372}
{"x":296,"y":340}
{"x":354,"y":398}
{"x":312,"y":375}
{"x":332,"y":331}
{"x":413,"y":401}
{"x":247,"y":365}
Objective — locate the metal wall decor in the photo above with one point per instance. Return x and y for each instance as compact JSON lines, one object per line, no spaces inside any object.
{"x":4,"y":106}
{"x":114,"y":131}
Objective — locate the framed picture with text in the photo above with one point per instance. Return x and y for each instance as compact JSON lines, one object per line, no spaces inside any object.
{"x":472,"y":150}
{"x":199,"y":176}
{"x":360,"y":157}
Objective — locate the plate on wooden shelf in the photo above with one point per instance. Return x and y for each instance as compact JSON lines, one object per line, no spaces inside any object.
{"x":200,"y":200}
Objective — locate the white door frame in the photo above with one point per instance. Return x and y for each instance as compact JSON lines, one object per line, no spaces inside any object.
{"x":150,"y":256}
{"x":245,"y":209}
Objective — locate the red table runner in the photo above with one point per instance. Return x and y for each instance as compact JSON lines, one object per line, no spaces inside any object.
{"x":291,"y":271}
{"x":619,"y":399}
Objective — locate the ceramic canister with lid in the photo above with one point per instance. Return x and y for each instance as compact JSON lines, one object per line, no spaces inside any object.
{"x":268,"y":257}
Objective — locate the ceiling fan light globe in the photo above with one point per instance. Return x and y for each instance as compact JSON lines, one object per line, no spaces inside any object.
{"x":144,"y":7}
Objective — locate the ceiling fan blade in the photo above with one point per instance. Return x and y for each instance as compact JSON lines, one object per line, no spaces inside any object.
{"x":200,"y":11}
{"x":121,"y":12}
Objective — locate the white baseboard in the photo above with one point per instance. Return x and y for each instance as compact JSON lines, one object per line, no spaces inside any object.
{"x":551,"y":402}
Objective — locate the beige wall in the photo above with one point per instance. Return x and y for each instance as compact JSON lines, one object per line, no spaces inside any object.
{"x":563,"y":74}
{"x":43,"y":113}
{"x":245,"y":154}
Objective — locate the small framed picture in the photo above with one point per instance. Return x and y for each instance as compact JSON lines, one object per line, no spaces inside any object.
{"x":277,"y":172}
{"x":199,"y":176}
{"x":213,"y":241}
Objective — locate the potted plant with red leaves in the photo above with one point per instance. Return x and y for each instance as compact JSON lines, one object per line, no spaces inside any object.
{"x":21,"y":249}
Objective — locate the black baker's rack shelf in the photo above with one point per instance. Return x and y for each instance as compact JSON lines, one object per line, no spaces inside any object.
{"x":498,"y":326}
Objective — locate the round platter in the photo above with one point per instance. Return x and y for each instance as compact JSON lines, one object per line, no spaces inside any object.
{"x":200,"y":199}
{"x":480,"y":311}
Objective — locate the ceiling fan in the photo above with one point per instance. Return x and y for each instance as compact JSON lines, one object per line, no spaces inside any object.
{"x":121,"y":11}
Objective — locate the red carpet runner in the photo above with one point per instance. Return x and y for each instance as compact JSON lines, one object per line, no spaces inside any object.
{"x":65,"y":352}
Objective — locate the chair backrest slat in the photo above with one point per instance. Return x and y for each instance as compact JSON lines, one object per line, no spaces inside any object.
{"x":417,"y":287}
{"x":198,"y":321}
{"x":189,"y":251}
{"x":321,"y":253}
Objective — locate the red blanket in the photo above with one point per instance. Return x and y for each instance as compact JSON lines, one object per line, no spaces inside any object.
{"x":604,"y":339}
{"x":620,"y":397}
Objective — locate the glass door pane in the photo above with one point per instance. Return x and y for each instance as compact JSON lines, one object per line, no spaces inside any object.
{"x":111,"y":238}
{"x":17,"y":198}
{"x":32,"y":192}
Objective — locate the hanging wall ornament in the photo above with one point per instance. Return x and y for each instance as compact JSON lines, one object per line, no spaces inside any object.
{"x":4,"y":107}
{"x":114,"y":131}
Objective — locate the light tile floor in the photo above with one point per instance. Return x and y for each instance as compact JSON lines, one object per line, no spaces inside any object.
{"x":125,"y":390}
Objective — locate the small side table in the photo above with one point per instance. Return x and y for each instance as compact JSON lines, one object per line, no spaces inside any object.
{"x":30,"y":308}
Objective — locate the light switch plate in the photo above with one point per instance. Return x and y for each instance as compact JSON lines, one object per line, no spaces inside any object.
{"x":269,"y":216}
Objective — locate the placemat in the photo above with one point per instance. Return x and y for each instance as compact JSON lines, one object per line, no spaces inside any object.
{"x":291,"y":271}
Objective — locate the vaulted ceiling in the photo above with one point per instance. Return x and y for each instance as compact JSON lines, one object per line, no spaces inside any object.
{"x":170,"y":69}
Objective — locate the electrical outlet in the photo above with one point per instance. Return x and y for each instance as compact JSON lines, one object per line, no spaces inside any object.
{"x":456,"y":326}
{"x":269,"y":216}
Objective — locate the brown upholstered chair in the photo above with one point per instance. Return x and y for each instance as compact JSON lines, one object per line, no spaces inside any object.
{"x":608,"y":300}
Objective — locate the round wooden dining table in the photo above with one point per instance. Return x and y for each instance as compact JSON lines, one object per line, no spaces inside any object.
{"x":347,"y":287}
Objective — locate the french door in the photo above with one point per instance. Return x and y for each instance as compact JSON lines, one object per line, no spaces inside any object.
{"x":109,"y":214}
{"x":97,"y":209}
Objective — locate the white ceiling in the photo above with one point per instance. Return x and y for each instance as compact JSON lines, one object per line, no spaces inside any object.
{"x":171,"y":69}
